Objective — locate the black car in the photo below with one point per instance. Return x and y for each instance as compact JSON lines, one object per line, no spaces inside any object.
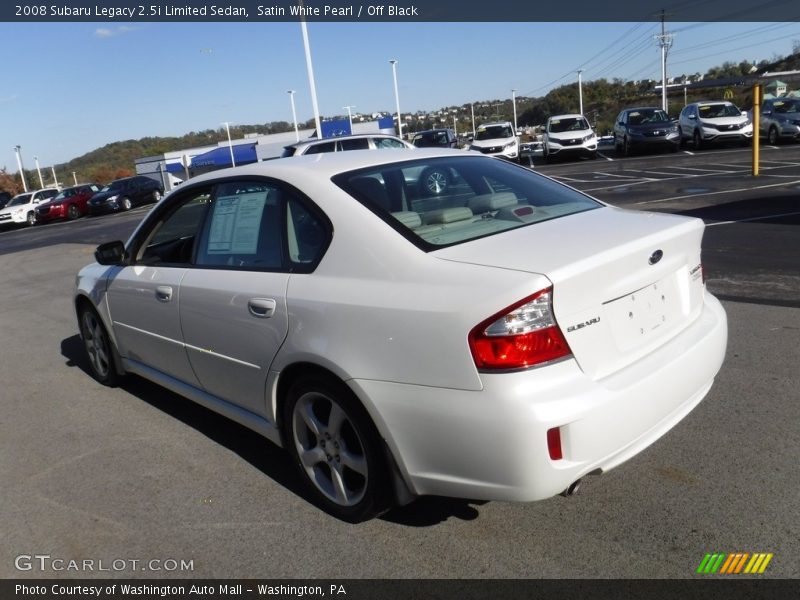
{"x":4,"y":198}
{"x":435,"y":138}
{"x":124,"y":194}
{"x":648,"y":127}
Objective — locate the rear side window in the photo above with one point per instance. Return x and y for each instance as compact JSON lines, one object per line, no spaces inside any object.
{"x":439,"y":202}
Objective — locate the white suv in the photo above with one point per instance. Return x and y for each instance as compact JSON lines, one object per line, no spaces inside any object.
{"x":716,"y":121}
{"x":497,"y":139}
{"x":569,"y":135}
{"x":21,"y":208}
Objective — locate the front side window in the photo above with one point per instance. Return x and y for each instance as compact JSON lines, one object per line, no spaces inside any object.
{"x":172,"y":238}
{"x":482,"y":197}
{"x":258,"y":225}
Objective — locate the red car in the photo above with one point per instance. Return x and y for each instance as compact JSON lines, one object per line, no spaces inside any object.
{"x":69,"y":204}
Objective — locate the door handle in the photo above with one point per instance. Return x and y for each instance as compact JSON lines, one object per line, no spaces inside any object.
{"x":262,"y":308}
{"x":164,"y":293}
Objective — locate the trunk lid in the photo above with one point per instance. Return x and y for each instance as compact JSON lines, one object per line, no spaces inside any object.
{"x":624,"y":282}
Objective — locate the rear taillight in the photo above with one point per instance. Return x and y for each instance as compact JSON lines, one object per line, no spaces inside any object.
{"x":523,"y":335}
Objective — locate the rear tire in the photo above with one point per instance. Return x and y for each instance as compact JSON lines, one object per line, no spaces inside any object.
{"x":336,"y":448}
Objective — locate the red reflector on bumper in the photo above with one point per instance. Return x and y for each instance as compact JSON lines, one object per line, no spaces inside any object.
{"x":554,"y":443}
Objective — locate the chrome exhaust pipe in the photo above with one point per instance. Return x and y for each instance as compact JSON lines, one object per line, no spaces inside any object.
{"x":572,"y":489}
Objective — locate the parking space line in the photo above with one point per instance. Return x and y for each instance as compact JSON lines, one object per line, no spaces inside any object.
{"x":618,"y":175}
{"x":747,"y":189}
{"x":604,"y":156}
{"x":702,"y":170}
{"x":764,"y":218}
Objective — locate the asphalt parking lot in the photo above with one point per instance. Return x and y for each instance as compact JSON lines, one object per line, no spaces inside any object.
{"x":139,"y":474}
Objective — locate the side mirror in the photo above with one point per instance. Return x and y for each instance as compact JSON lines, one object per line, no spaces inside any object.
{"x":110,"y":253}
{"x":692,"y":116}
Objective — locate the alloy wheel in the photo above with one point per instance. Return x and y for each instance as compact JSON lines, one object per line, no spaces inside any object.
{"x":330,"y":449}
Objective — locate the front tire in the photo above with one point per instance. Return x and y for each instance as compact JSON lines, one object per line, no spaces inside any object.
{"x":73,"y":212}
{"x":336,"y":448}
{"x":99,"y":347}
{"x":772,"y":136}
{"x":125,"y":203}
{"x":697,"y":140}
{"x":156,"y":195}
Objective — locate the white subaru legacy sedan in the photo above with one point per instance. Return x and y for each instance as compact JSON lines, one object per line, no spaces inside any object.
{"x":498,"y":341}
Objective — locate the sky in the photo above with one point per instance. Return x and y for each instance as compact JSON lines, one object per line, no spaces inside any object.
{"x":70,"y":88}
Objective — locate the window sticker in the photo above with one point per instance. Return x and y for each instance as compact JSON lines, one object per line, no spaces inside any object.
{"x":235,"y":224}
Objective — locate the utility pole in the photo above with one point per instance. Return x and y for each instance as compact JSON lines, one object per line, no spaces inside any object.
{"x":580,"y":92}
{"x":665,"y":41}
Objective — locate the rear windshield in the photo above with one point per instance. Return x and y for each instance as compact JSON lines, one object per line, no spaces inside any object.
{"x":439,"y":202}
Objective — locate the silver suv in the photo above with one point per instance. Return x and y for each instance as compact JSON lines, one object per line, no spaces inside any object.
{"x":368,"y":141}
{"x":714,"y":122}
{"x":780,"y":119}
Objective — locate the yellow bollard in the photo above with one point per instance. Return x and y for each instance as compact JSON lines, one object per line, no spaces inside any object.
{"x":756,"y":126}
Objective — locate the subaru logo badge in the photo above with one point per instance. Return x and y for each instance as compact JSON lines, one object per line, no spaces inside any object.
{"x":656,"y":256}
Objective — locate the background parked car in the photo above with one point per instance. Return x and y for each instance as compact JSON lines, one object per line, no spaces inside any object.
{"x":780,"y":119}
{"x":4,"y":199}
{"x":714,"y":122}
{"x":647,"y":127}
{"x":569,"y":135}
{"x":69,"y":204}
{"x":496,"y":139}
{"x":22,"y":207}
{"x":124,"y":194}
{"x":435,"y":138}
{"x":371,"y":141}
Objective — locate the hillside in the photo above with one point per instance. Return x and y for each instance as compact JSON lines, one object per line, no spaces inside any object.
{"x":602,"y":100}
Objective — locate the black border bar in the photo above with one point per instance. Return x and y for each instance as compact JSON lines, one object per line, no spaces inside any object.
{"x":265,"y":11}
{"x":705,"y":588}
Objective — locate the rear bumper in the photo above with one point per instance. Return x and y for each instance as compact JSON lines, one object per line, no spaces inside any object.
{"x":492,"y":444}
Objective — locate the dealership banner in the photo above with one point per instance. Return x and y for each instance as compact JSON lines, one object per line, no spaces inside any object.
{"x":424,"y":11}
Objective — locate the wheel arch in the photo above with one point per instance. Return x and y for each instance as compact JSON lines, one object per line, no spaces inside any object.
{"x":81,"y":302}
{"x":401,"y":491}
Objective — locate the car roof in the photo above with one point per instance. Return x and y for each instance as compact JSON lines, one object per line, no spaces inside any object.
{"x":568,"y":116}
{"x":642,"y":108}
{"x":329,"y":164}
{"x":355,"y":136}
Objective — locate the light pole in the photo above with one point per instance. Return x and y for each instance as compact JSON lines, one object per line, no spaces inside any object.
{"x":21,"y":170}
{"x":39,"y":171}
{"x":393,"y":62}
{"x":514,"y":104}
{"x":350,"y":116}
{"x":74,"y":178}
{"x":455,"y":128}
{"x":55,"y":181}
{"x":230,"y":144}
{"x":472,"y":110}
{"x":294,"y":115}
{"x":311,"y":84}
{"x":580,"y":92}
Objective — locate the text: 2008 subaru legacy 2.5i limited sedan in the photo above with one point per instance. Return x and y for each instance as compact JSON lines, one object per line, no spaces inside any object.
{"x":499,"y":341}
